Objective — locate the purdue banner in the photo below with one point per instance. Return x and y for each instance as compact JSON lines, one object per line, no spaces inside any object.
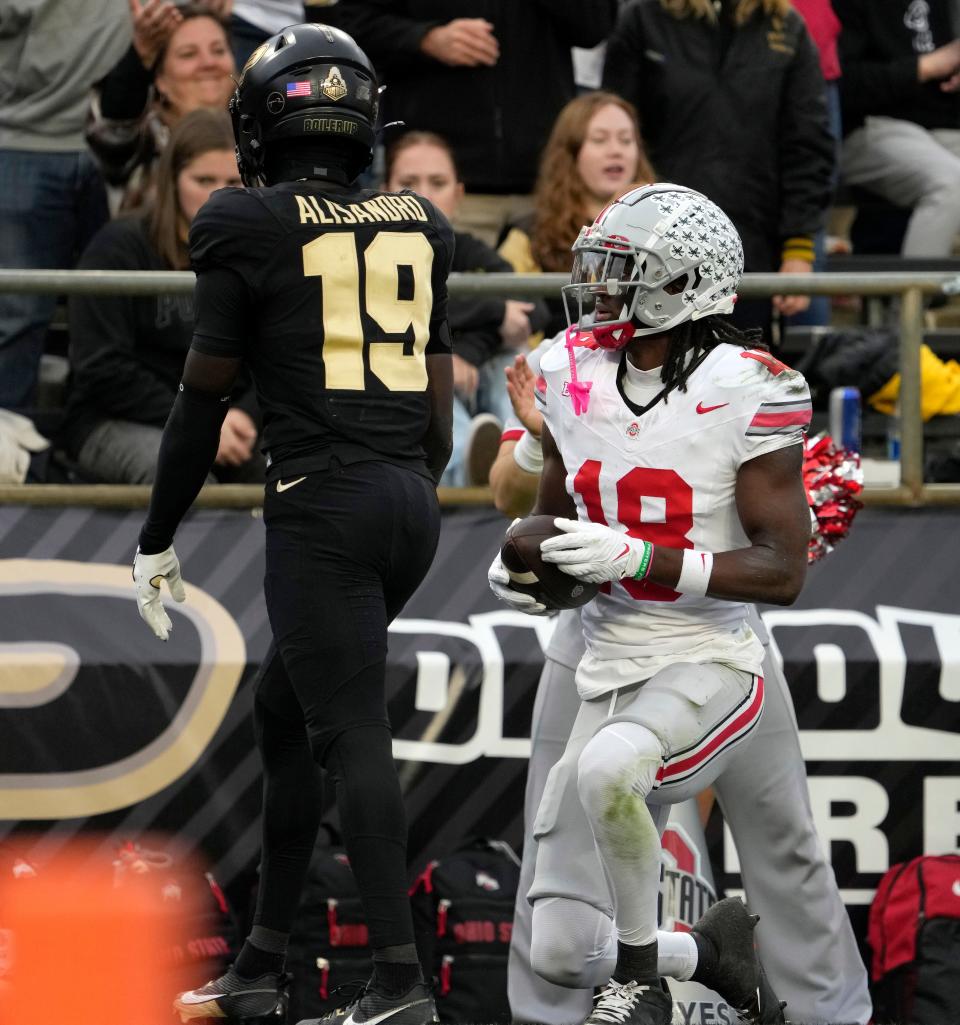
{"x":104,"y":727}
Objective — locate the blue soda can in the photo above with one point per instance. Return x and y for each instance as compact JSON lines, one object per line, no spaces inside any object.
{"x":845,"y":418}
{"x":893,"y":434}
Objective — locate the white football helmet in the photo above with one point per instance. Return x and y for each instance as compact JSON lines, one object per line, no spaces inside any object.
{"x":666,"y":252}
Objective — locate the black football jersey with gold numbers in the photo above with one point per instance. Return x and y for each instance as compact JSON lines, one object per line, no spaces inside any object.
{"x":333,"y":296}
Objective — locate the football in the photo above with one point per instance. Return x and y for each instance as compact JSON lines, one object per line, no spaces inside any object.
{"x":546,"y":582}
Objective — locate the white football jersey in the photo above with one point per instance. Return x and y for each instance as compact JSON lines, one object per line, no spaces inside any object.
{"x":667,"y":473}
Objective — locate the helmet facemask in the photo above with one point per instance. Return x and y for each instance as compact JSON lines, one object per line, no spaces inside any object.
{"x":604,"y":290}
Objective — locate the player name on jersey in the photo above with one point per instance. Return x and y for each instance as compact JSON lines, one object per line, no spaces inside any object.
{"x":321,"y":210}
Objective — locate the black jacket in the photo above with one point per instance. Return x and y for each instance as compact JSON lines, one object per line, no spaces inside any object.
{"x":127,"y":352}
{"x":879,"y":48}
{"x":124,"y":130}
{"x":863,"y":357}
{"x":738,"y":115}
{"x":475,"y":321}
{"x":496,"y":119}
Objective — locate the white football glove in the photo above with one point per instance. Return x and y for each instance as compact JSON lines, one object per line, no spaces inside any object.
{"x":499,"y":580}
{"x":148,"y":571}
{"x":592,"y":552}
{"x":18,"y":439}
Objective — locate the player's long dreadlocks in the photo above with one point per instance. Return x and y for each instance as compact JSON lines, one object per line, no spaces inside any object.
{"x":693,"y":339}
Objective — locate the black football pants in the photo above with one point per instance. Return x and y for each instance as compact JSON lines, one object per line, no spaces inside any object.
{"x":345,"y":550}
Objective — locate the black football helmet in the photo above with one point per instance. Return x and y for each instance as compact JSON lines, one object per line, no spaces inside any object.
{"x":307,"y":82}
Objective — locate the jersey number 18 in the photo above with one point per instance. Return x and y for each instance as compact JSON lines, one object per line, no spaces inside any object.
{"x":632,"y":488}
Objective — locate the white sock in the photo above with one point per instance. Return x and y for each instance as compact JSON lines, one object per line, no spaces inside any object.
{"x":676,"y":955}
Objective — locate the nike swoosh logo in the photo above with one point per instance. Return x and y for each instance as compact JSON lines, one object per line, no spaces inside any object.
{"x":350,"y":1020}
{"x":198,"y":998}
{"x":281,"y":487}
{"x":194,"y":997}
{"x":626,"y":548}
{"x":701,"y":408}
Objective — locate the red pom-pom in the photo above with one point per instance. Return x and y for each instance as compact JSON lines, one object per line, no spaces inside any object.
{"x":833,"y":478}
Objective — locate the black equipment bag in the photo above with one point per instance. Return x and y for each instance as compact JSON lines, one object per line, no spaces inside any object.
{"x":914,"y":933}
{"x":463,"y":916}
{"x":329,"y":944}
{"x":202,"y":920}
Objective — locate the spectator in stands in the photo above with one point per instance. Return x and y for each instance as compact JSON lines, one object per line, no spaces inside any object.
{"x":52,"y":198}
{"x":824,"y":28}
{"x":486,"y":331}
{"x":180,"y":60}
{"x":491,"y":80}
{"x":127,"y":352}
{"x":901,"y":112}
{"x":732,"y":102}
{"x":593,"y":155}
{"x":254,"y":21}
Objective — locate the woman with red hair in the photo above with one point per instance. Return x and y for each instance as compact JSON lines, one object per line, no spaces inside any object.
{"x":594,"y":154}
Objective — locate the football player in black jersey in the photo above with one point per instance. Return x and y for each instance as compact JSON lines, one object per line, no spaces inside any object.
{"x":335,"y":298}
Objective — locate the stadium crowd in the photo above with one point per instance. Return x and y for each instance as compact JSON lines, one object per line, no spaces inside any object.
{"x":765,"y":105}
{"x":738,"y":98}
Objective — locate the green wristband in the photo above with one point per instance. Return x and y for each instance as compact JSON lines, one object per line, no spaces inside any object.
{"x":644,"y":568}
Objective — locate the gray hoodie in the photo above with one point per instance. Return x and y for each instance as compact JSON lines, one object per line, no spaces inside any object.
{"x":51,"y":53}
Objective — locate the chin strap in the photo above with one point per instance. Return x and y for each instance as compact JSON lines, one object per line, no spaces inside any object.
{"x":579,"y":390}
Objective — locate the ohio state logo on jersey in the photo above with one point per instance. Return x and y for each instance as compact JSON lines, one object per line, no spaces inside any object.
{"x":684,"y":892}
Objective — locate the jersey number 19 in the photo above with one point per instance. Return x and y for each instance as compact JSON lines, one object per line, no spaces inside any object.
{"x":334,"y":259}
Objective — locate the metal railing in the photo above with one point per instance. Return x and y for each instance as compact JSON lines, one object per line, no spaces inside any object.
{"x":911,"y":287}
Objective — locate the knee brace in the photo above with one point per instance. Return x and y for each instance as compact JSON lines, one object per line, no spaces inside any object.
{"x":621,"y":760}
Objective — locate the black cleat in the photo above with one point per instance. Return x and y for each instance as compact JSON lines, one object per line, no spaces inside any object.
{"x":629,"y":1003}
{"x":235,"y":998}
{"x":739,"y":977}
{"x":415,"y":1007}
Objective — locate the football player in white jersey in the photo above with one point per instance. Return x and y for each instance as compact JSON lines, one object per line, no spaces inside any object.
{"x":672,"y":461}
{"x":804,"y":937}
